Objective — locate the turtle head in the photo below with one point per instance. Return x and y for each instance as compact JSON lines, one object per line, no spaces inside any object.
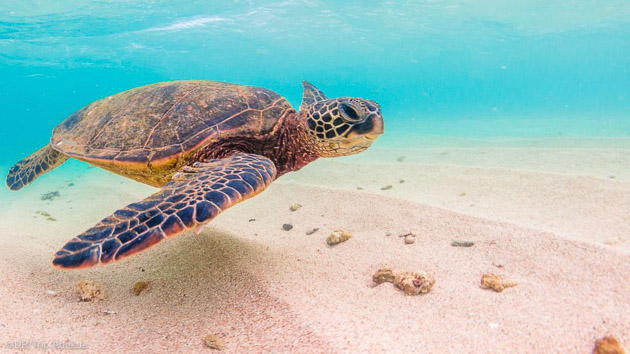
{"x":339,"y":126}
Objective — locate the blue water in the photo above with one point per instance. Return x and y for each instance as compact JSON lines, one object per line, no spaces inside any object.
{"x":447,"y":68}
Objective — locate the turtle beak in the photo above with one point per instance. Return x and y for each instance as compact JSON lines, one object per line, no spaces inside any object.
{"x":370,"y":129}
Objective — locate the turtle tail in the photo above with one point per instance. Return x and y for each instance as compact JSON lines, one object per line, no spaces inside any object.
{"x":26,"y":171}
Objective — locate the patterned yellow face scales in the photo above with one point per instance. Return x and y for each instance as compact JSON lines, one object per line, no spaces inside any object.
{"x":194,"y":197}
{"x":345,"y":125}
{"x":340,"y":126}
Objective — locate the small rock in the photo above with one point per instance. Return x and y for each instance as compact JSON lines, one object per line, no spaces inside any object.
{"x":46,"y":215}
{"x":613,"y":241}
{"x":250,"y":220}
{"x":50,"y":195}
{"x":360,"y":188}
{"x":384,"y":275}
{"x":462,"y":194}
{"x":312,"y":231}
{"x":42,"y":213}
{"x":287,"y":227}
{"x":409,"y":239}
{"x":295,"y":207}
{"x":215,"y":342}
{"x":88,"y":290}
{"x":337,"y":237}
{"x":70,"y":184}
{"x":401,"y":158}
{"x":51,"y":293}
{"x":402,"y":181}
{"x":461,"y":243}
{"x":413,"y":283}
{"x":608,"y":345}
{"x":388,"y":187}
{"x":108,"y":312}
{"x":140,"y":286}
{"x":496,"y":282}
{"x":611,"y":176}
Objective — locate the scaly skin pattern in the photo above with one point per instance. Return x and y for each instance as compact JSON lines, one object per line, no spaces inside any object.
{"x":288,"y":145}
{"x":194,"y":197}
{"x":33,"y":166}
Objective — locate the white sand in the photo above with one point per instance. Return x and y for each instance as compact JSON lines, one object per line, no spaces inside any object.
{"x":543,"y":214}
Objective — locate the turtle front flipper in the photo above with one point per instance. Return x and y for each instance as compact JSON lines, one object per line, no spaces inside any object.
{"x":28,"y":169}
{"x":194,"y":197}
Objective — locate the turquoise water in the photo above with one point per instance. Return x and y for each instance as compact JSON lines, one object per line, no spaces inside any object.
{"x":448,"y":68}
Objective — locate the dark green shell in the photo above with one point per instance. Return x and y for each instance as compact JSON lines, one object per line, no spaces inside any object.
{"x":167,"y":120}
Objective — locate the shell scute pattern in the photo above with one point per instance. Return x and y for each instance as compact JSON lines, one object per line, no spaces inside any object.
{"x":167,"y":120}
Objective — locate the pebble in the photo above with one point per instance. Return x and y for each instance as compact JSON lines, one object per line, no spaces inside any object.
{"x":496,"y":282}
{"x":401,"y":158}
{"x":360,"y":188}
{"x":608,"y":345}
{"x":409,"y":239}
{"x":415,"y":283}
{"x":215,"y":342}
{"x":50,"y":196}
{"x":287,"y":227}
{"x":140,"y":286}
{"x":51,"y":293}
{"x":338,"y":236}
{"x":88,"y":290}
{"x":461,"y":243}
{"x":388,"y":187}
{"x":613,"y":241}
{"x":384,"y":275}
{"x":312,"y":231}
{"x":108,"y":312}
{"x":295,"y":207}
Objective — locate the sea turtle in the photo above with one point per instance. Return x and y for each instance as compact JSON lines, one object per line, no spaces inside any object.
{"x":208,"y":145}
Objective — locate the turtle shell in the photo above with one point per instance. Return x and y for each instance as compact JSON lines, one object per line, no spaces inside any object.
{"x":153,"y":129}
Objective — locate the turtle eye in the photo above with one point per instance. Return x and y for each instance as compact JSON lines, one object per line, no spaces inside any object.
{"x":349,"y":112}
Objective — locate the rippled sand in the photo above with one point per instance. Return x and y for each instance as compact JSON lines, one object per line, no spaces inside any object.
{"x":554,"y":215}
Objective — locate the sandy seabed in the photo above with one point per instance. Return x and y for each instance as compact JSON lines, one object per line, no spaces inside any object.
{"x":554,"y":215}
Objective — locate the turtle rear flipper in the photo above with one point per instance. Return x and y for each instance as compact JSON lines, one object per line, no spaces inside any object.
{"x":28,"y":169}
{"x":194,"y":197}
